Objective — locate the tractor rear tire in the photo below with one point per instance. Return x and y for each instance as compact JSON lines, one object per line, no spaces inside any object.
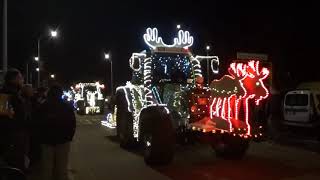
{"x":157,"y":137}
{"x":101,"y":106}
{"x":81,"y":107}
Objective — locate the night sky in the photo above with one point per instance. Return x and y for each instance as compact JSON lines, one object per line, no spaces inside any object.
{"x":286,"y":32}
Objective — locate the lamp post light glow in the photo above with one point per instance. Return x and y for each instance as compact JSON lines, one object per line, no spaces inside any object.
{"x":37,"y":69}
{"x":178,"y":26}
{"x":108,"y":59}
{"x":208,"y":64}
{"x":107,"y":56}
{"x":52,"y":76}
{"x":53,"y":33}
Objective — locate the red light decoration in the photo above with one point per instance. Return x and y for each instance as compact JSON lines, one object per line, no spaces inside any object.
{"x":202,"y":101}
{"x":229,"y":109}
{"x":218,"y":107}
{"x":245,"y":82}
{"x":193,"y":109}
{"x":223,"y":110}
{"x":211,"y":107}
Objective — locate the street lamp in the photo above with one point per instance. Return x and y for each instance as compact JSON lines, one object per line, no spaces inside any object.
{"x":36,"y":58}
{"x":52,"y":76}
{"x":208,"y":64}
{"x":107,"y":57}
{"x":53,"y":34}
{"x":178,"y":26}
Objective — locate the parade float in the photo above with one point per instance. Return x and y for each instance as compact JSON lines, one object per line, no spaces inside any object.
{"x":88,"y":98}
{"x":166,"y":101}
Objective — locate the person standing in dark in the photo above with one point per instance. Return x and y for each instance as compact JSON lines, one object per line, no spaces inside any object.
{"x":66,"y":100}
{"x":30,"y":105}
{"x":13,"y":126}
{"x":40,"y":96}
{"x":27,"y":97}
{"x":57,"y":124}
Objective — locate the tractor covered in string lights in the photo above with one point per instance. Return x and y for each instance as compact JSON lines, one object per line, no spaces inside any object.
{"x":166,"y":101}
{"x":88,"y":98}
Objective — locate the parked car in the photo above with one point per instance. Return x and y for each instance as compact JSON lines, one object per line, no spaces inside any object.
{"x":301,"y":107}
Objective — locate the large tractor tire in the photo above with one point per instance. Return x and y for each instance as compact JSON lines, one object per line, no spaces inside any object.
{"x":157,"y":136}
{"x":230,"y":147}
{"x":124,"y":123}
{"x":81,"y":109}
{"x":101,"y":103}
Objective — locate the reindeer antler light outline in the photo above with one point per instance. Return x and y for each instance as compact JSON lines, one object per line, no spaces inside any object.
{"x":184,"y":39}
{"x":151,"y":38}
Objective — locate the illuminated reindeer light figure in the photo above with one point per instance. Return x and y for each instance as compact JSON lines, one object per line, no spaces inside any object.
{"x":151,"y":38}
{"x":245,"y":82}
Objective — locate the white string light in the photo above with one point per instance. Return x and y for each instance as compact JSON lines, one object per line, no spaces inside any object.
{"x":213,"y":59}
{"x":134,"y":57}
{"x":147,"y":82}
{"x":196,"y":67}
{"x":126,"y":95}
{"x":151,"y":38}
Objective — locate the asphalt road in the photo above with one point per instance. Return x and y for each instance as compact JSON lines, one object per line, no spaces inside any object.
{"x":96,"y":155}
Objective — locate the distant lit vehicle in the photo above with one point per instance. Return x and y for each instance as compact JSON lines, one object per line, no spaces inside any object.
{"x":301,"y":107}
{"x":88,"y":98}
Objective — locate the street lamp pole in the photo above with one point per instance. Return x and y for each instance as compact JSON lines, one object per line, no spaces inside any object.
{"x":27,"y":78}
{"x":111,"y":71}
{"x":108,"y":58}
{"x":5,"y":37}
{"x":53,"y":34}
{"x":39,"y":59}
{"x":208,"y":65}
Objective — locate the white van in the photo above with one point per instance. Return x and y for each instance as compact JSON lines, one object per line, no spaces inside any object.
{"x":302,"y":108}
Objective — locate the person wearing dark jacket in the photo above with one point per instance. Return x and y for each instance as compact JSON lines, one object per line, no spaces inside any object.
{"x":41,"y":95}
{"x":27,"y":94}
{"x":13,"y":126}
{"x":56,"y":125}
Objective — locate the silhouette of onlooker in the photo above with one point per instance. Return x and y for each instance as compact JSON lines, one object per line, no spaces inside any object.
{"x":13,"y":126}
{"x":40,"y":96}
{"x":57,"y":125}
{"x":27,"y":94}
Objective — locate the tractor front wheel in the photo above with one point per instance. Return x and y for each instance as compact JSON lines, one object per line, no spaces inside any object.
{"x":157,"y":137}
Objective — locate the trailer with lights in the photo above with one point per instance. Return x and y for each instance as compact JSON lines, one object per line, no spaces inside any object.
{"x":166,"y":101}
{"x":88,"y":98}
